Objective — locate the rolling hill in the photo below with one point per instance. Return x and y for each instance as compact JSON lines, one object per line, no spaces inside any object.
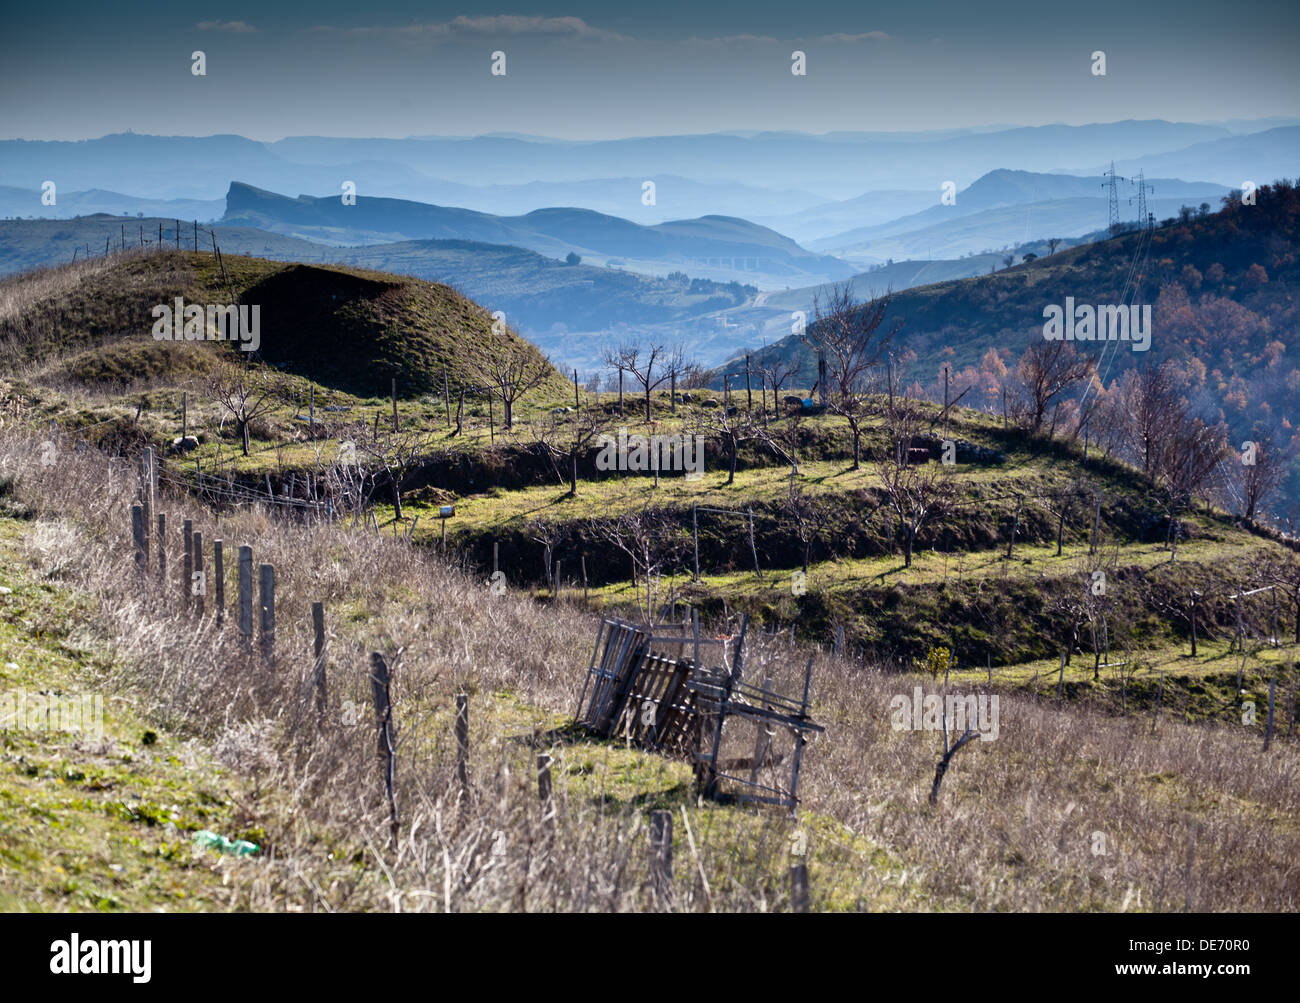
{"x":571,"y":311}
{"x":706,"y":246}
{"x":26,"y":202}
{"x":1007,"y":207}
{"x":351,"y":329}
{"x":1221,"y":288}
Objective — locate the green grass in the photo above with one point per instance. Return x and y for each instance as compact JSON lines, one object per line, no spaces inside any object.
{"x":98,"y":824}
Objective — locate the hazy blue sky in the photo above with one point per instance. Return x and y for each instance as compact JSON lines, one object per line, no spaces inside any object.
{"x":588,"y":70}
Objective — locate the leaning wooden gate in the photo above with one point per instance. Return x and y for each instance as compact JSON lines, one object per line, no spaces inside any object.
{"x":642,"y":687}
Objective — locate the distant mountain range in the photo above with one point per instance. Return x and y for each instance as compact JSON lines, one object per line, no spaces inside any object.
{"x":710,"y":246}
{"x":755,"y":175}
{"x":1005,"y":208}
{"x":25,"y":202}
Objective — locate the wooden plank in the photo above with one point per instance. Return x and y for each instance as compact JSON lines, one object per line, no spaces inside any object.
{"x":187,"y":567}
{"x":137,"y":536}
{"x":798,"y":740}
{"x":219,"y":573}
{"x":318,"y":649}
{"x":631,"y":665}
{"x":591,"y":663}
{"x":266,"y":600}
{"x":800,"y":899}
{"x":762,"y":739}
{"x":660,"y":851}
{"x":246,"y":594}
{"x":162,"y":546}
{"x":615,"y":643}
{"x":199,"y":584}
{"x":625,"y":662}
{"x":462,"y":742}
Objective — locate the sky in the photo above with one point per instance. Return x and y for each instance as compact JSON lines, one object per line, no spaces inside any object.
{"x":596,"y":70}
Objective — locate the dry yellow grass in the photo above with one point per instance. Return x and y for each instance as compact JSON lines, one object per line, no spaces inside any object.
{"x":1183,"y":816}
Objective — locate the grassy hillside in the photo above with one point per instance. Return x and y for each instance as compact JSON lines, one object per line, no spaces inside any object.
{"x":959,"y":320}
{"x":346,"y":328}
{"x":565,"y":309}
{"x":1136,"y":738}
{"x":1221,"y":288}
{"x":1016,"y":827}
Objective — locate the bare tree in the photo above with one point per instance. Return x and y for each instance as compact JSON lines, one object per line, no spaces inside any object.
{"x":644,"y":363}
{"x":915,"y":490}
{"x":566,"y":437}
{"x":852,"y":338}
{"x":1283,"y":570}
{"x":244,"y":392}
{"x":650,"y":538}
{"x":1194,"y":452}
{"x":392,"y":456}
{"x":732,"y":427}
{"x":776,"y":372}
{"x":1046,"y":371}
{"x":548,"y":534}
{"x":1257,"y":473}
{"x":692,"y":376}
{"x":1098,"y":605}
{"x":807,"y":517}
{"x":1150,"y":410}
{"x":512,"y":368}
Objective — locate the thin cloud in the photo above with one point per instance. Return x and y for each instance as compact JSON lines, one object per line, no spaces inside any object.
{"x":238,"y":27}
{"x":839,"y":37}
{"x":866,"y":36}
{"x":574,"y":28}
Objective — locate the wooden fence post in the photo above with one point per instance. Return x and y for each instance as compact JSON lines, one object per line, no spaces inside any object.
{"x":660,"y":851}
{"x":198,"y":583}
{"x":162,"y":546}
{"x":148,"y":492}
{"x":800,"y":899}
{"x":187,"y":567}
{"x":762,"y":736}
{"x":318,"y":626}
{"x":219,"y":573}
{"x":1015,"y":527}
{"x":695,"y":537}
{"x":137,"y":537}
{"x":544,"y":781}
{"x":462,"y":742}
{"x":266,"y":596}
{"x":380,"y":688}
{"x":246,"y":594}
{"x":1268,"y":730}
